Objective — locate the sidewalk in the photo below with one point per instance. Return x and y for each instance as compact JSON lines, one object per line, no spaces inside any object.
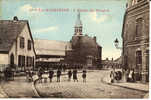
{"x":18,"y":88}
{"x":128,"y":85}
{"x":2,"y":93}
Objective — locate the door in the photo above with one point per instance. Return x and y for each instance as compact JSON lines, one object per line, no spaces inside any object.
{"x":12,"y":60}
{"x":139,"y":64}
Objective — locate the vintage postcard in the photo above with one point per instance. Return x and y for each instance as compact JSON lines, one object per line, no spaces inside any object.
{"x":74,"y":49}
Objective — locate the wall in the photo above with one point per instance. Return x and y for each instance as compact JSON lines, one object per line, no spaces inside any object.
{"x":133,"y":43}
{"x":3,"y":59}
{"x":16,"y":50}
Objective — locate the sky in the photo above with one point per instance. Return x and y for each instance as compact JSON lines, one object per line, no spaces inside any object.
{"x":100,"y":18}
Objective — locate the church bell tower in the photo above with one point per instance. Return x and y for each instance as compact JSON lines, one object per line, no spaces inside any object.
{"x":78,"y":26}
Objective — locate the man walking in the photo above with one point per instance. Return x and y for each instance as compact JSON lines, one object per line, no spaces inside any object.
{"x":112,"y":76}
{"x":84,"y":75}
{"x":51,"y":72}
{"x":58,"y":75}
{"x":69,"y":75}
{"x":75,"y":78}
{"x":40,"y":72}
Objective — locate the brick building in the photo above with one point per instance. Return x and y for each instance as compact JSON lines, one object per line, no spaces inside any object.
{"x":136,"y":38}
{"x":81,"y":50}
{"x":85,"y":50}
{"x":16,"y":45}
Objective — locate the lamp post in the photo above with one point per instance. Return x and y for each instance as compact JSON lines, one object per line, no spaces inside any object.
{"x":116,"y":43}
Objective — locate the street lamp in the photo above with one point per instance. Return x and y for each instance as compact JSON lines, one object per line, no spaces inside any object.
{"x":116,"y":43}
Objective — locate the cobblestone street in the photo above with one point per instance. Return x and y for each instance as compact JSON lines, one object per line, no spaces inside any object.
{"x":93,"y":88}
{"x":19,"y":88}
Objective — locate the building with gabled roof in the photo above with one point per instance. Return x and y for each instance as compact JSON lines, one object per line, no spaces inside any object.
{"x":16,"y":45}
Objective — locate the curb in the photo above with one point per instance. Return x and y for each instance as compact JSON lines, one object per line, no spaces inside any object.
{"x":2,"y":93}
{"x":35,"y":90}
{"x":102,"y":80}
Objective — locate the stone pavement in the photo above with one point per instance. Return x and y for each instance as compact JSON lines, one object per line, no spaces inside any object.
{"x":128,"y":85}
{"x":19,"y":88}
{"x":93,"y":88}
{"x":2,"y":93}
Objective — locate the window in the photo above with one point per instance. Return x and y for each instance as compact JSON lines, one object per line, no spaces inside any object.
{"x":29,"y":44}
{"x":33,"y":61}
{"x":22,"y":40}
{"x":147,"y":60}
{"x":29,"y":61}
{"x":138,"y":57}
{"x":0,"y":41}
{"x":139,"y":27}
{"x":21,"y":61}
{"x":126,"y":33}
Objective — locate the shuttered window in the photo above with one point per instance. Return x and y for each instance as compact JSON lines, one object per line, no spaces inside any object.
{"x":29,"y":45}
{"x":21,"y":61}
{"x":22,"y":42}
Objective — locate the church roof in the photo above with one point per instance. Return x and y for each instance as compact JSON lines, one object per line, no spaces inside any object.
{"x":78,"y":21}
{"x":9,"y":31}
{"x":51,"y":47}
{"x":85,"y":41}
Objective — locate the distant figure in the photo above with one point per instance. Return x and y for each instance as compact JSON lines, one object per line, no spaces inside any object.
{"x":40,"y":72}
{"x":116,"y":76}
{"x":58,"y":75}
{"x":69,"y":75}
{"x":84,"y":75}
{"x":130,"y":77}
{"x":133,"y":76}
{"x":75,"y":75}
{"x":30,"y":75}
{"x":112,"y":76}
{"x":51,"y":72}
{"x":119,"y":75}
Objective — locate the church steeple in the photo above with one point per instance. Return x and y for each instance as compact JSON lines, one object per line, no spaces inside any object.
{"x":78,"y":26}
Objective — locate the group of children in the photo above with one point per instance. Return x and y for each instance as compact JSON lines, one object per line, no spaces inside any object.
{"x":29,"y":75}
{"x":70,"y":74}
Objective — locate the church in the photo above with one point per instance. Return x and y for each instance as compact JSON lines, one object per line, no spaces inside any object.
{"x":85,"y":51}
{"x":81,"y":51}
